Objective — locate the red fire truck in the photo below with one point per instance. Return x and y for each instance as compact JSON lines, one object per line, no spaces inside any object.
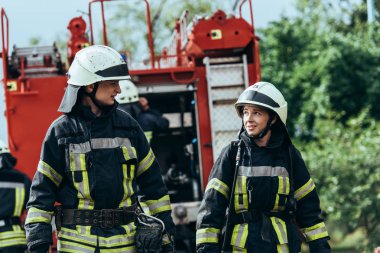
{"x":196,"y":80}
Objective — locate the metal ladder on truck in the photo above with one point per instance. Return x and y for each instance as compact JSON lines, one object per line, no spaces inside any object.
{"x":227,"y":78}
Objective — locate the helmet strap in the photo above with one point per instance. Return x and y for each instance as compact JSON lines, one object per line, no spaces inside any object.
{"x":266,"y":129}
{"x":93,"y":94}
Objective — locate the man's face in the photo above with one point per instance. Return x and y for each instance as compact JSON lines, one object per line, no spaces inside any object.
{"x":107,"y":91}
{"x":255,"y":119}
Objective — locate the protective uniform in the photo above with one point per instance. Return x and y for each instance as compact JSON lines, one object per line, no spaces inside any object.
{"x":150,"y":120}
{"x":14,"y":193}
{"x":260,"y":219}
{"x":93,"y":166}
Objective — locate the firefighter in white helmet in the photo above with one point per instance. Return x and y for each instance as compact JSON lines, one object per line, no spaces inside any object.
{"x":93,"y":160}
{"x":14,"y":193}
{"x":263,"y":181}
{"x":150,"y":120}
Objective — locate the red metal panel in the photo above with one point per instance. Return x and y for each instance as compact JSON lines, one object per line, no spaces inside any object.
{"x":29,"y":114}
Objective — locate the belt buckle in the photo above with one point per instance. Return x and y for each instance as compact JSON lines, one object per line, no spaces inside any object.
{"x":106,"y":218}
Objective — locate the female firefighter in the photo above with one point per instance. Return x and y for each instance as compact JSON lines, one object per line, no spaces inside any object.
{"x":270,"y":186}
{"x":93,"y":160}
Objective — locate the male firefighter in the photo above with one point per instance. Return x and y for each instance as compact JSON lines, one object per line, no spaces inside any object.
{"x":150,"y":120}
{"x":14,"y":193}
{"x":263,"y":181}
{"x":93,"y":159}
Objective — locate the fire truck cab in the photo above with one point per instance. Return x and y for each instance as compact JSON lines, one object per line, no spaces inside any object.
{"x":194,"y":83}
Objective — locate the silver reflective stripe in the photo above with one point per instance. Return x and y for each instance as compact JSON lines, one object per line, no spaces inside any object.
{"x":110,"y":143}
{"x":65,"y":246}
{"x":118,"y":241}
{"x":48,"y":171}
{"x":11,"y":185}
{"x":80,"y":148}
{"x":262,"y":171}
{"x":64,"y":233}
{"x":219,"y":186}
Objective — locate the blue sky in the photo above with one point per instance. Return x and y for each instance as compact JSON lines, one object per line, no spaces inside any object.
{"x":48,"y":19}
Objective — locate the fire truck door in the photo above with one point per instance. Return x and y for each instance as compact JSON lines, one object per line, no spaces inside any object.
{"x":227,"y":78}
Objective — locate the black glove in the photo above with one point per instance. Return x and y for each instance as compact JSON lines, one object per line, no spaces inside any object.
{"x":42,"y":248}
{"x":148,"y":237}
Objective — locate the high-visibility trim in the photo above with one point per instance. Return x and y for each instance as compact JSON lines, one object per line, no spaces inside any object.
{"x":73,"y":247}
{"x":78,"y":236}
{"x":145,"y":163}
{"x":283,"y":185}
{"x":98,"y":143}
{"x":315,"y":232}
{"x":159,"y":205}
{"x":239,"y":235}
{"x":49,"y":172}
{"x":78,"y":164}
{"x":282,"y":248}
{"x":238,"y":250}
{"x":127,"y":185}
{"x":148,"y":135}
{"x":240,"y":194}
{"x":129,"y":152}
{"x":219,"y":186}
{"x":280,"y":228}
{"x":262,"y":171}
{"x":304,"y":190}
{"x":11,"y":185}
{"x":276,"y":206}
{"x":128,"y":249}
{"x":38,"y":215}
{"x":165,"y":239}
{"x":14,"y":239}
{"x":208,"y":235}
{"x":19,"y":201}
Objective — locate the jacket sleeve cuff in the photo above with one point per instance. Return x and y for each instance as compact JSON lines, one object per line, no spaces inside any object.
{"x":320,"y":246}
{"x":38,"y":234}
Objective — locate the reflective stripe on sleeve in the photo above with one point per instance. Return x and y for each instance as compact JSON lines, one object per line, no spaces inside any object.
{"x":219,"y":186}
{"x":159,"y":205}
{"x":239,"y":235}
{"x":145,"y":163}
{"x":148,"y":135}
{"x":315,"y":232}
{"x":49,"y":172}
{"x":304,"y":190}
{"x":38,"y":215}
{"x":208,"y":235}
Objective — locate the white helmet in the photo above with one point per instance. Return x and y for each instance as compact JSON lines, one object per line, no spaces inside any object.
{"x":3,"y":148}
{"x":91,"y":65}
{"x":128,"y":94}
{"x":266,"y":95}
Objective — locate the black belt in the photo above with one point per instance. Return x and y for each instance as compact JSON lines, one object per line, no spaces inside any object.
{"x":105,"y":218}
{"x":9,"y":221}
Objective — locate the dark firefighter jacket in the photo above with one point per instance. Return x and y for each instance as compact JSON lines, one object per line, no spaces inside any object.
{"x":262,"y":185}
{"x":90,"y":162}
{"x":14,"y":193}
{"x":151,"y":121}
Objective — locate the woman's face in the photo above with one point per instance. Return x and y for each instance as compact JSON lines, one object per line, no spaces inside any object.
{"x":255,"y":119}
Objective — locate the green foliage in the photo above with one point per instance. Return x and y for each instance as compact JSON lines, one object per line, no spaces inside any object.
{"x":344,"y":162}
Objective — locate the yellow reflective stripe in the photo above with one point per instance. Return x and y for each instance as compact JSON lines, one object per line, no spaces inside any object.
{"x":207,"y":235}
{"x":276,"y":206}
{"x":280,"y":228}
{"x":239,"y":235}
{"x":49,"y":172}
{"x":282,"y":248}
{"x":78,"y":165}
{"x":145,"y":164}
{"x":38,"y":215}
{"x":219,"y":186}
{"x":19,"y":201}
{"x":78,"y":236}
{"x":127,"y":185}
{"x":12,"y":242}
{"x":165,"y":239}
{"x":283,"y":185}
{"x":12,"y":234}
{"x":72,"y":247}
{"x":148,"y":135}
{"x":238,"y":250}
{"x":129,"y":153}
{"x":240,"y":194}
{"x":315,"y":232}
{"x":159,"y":205}
{"x":128,"y":249}
{"x":304,"y":190}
